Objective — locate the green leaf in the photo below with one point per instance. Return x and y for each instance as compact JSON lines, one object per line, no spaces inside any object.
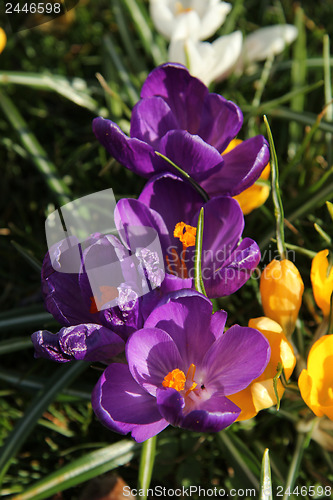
{"x":91,"y":465}
{"x":26,"y":254}
{"x":198,"y":281}
{"x":60,"y":379}
{"x":279,"y":370}
{"x":265,"y":478}
{"x":278,"y":207}
{"x":147,"y":460}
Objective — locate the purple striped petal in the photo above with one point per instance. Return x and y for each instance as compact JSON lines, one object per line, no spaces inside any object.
{"x":242,"y":167}
{"x":244,"y":353}
{"x":87,"y":342}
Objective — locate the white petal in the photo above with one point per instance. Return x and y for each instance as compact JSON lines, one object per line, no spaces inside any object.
{"x":213,"y":19}
{"x":227,"y":50}
{"x":162,"y":17}
{"x":186,"y":26}
{"x":268,"y":41}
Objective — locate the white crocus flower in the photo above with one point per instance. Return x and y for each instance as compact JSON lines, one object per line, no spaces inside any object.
{"x":208,"y":61}
{"x":197,"y":19}
{"x":267,"y":42}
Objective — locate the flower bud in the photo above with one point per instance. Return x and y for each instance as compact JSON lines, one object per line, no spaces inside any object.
{"x":260,"y":393}
{"x":322,"y":281}
{"x":316,"y":382}
{"x":281,"y":289}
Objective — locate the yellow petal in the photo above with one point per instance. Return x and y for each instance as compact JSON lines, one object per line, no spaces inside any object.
{"x":316,"y":382}
{"x":281,"y":289}
{"x":260,"y":393}
{"x":256,"y":195}
{"x":3,"y":40}
{"x":322,"y":283}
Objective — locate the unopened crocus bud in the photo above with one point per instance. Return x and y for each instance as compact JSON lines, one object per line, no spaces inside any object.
{"x":281,"y":289}
{"x":322,"y":281}
{"x":316,"y":382}
{"x":260,"y":393}
{"x":3,"y":40}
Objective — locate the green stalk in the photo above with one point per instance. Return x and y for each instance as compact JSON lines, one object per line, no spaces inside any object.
{"x":328,"y":93}
{"x":265,"y":478}
{"x":186,"y":176}
{"x":278,"y":207}
{"x":198,"y":281}
{"x":146,"y":465}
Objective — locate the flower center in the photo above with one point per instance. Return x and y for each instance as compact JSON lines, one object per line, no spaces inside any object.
{"x":186,"y":235}
{"x":176,"y":379}
{"x":180,"y":9}
{"x":108,"y":293}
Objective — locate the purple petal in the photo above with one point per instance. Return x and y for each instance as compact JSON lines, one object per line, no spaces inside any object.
{"x":124,"y":400}
{"x":212,"y":415}
{"x":191,"y":154}
{"x":227,"y":277}
{"x":102,"y":414}
{"x":187,"y":320}
{"x":151,"y":355}
{"x":218,"y":322}
{"x":182,"y":92}
{"x":133,"y":213}
{"x":223,"y":227}
{"x":236,"y":358}
{"x":151,"y":119}
{"x":242,"y":167}
{"x":87,"y":342}
{"x":221,"y":120}
{"x":132,"y":153}
{"x":143,"y":432}
{"x":174,"y":199}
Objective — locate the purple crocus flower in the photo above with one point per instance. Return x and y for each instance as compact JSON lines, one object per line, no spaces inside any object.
{"x":171,"y":206}
{"x":181,"y":368}
{"x":178,"y":117}
{"x":92,"y":329}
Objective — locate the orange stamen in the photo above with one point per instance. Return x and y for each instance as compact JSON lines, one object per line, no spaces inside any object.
{"x":186,"y":234}
{"x":108,"y":293}
{"x":180,"y":9}
{"x":175,"y":379}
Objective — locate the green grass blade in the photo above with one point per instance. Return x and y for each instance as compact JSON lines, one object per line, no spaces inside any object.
{"x":141,"y":21}
{"x":328,"y":93}
{"x":265,"y":478}
{"x":60,"y":379}
{"x":55,"y":83}
{"x":278,"y":207}
{"x":198,"y":281}
{"x":38,"y":155}
{"x":147,"y":460}
{"x":14,"y":345}
{"x":91,"y":465}
{"x":24,"y":321}
{"x":34,"y":263}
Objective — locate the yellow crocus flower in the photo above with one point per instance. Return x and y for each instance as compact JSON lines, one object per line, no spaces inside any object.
{"x":260,"y":393}
{"x":281,"y":289}
{"x":316,"y":382}
{"x":322,"y":281}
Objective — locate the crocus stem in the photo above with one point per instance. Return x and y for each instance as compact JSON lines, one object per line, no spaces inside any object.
{"x":278,"y":207}
{"x":186,"y":176}
{"x":198,"y":281}
{"x":146,"y":465}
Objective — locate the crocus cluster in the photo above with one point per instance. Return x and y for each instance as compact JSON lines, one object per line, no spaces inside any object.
{"x":168,"y":359}
{"x":187,"y":23}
